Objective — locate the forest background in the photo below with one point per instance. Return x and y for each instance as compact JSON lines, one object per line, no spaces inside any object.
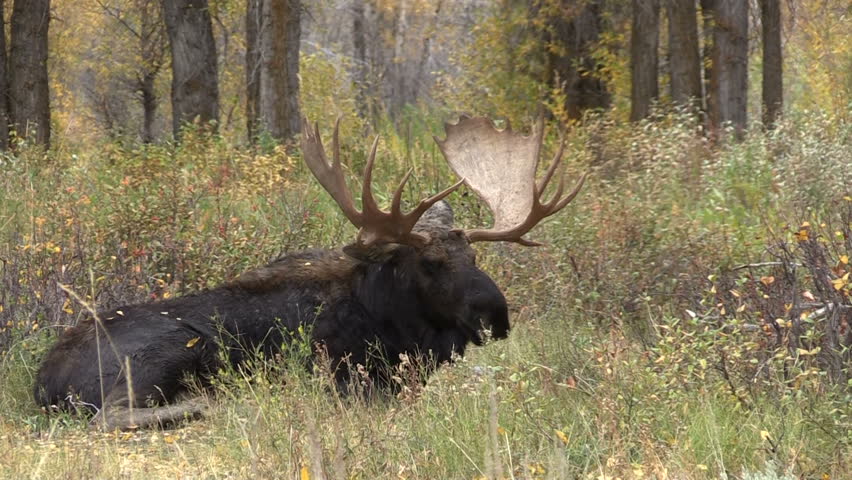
{"x":689,"y":317}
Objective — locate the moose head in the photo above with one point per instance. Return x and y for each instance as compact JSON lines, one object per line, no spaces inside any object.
{"x":407,"y":286}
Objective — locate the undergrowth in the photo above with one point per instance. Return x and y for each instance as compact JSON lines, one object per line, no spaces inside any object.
{"x":688,"y":318}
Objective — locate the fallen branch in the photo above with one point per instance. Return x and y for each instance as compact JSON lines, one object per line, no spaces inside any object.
{"x":765,"y":264}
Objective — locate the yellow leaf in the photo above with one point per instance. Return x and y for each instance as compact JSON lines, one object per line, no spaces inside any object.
{"x":169,"y":439}
{"x":841,"y":282}
{"x":304,"y":474}
{"x":769,"y":280}
{"x":764,"y":435}
{"x":501,"y":430}
{"x":844,"y":259}
{"x":806,"y":353}
{"x":802,"y":235}
{"x":191,"y":343}
{"x":701,"y":466}
{"x":562,"y":436}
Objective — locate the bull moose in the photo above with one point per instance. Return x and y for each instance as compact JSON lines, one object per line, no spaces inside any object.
{"x":408,"y":284}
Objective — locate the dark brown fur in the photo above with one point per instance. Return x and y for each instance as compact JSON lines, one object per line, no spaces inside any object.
{"x":380,"y":302}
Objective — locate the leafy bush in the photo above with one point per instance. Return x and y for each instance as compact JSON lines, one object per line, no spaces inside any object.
{"x":652,"y":336}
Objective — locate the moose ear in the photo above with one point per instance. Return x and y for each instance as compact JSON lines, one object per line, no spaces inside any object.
{"x":372,"y":253}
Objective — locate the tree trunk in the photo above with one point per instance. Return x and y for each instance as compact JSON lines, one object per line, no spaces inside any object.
{"x":684,"y":58}
{"x":142,"y":20}
{"x":4,"y":88}
{"x":195,"y":82}
{"x":426,"y":51}
{"x":577,"y":29}
{"x":279,"y":68}
{"x":149,"y":107}
{"x":359,"y":46}
{"x":644,"y":43}
{"x":152,"y":48}
{"x":729,"y":78}
{"x":398,"y":80}
{"x":707,"y":7}
{"x":773,"y":91}
{"x":29,"y":95}
{"x":253,"y":23}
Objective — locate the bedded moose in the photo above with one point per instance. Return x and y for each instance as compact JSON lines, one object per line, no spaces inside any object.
{"x":407,"y":284}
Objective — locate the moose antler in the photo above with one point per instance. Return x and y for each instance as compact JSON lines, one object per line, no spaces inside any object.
{"x":500,"y":166}
{"x":376,"y":226}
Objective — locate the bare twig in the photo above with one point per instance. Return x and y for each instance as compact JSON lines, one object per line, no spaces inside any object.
{"x":722,"y":367}
{"x":764,"y":264}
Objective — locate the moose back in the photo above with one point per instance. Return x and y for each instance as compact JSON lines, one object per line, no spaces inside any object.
{"x":408,"y":284}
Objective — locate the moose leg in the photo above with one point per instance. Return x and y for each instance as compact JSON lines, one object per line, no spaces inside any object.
{"x":117,"y":414}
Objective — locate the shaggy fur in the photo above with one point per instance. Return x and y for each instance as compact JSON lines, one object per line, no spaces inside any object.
{"x":427,"y":302}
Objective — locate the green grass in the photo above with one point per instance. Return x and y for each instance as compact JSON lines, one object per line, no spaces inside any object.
{"x":606,"y":374}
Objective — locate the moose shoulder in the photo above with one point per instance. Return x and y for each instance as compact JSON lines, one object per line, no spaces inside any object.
{"x":408,"y":284}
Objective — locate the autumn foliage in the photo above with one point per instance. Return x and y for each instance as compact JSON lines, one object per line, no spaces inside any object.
{"x":690,"y":317}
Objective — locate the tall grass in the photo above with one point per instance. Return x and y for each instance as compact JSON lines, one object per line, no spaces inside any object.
{"x":621,"y":362}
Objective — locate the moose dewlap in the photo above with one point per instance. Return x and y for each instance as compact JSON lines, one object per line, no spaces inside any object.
{"x":408,"y":284}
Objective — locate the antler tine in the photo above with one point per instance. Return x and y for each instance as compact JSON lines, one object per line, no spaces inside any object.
{"x":375,"y":225}
{"x":428,"y":202}
{"x":368,"y":202}
{"x":557,"y":159}
{"x":554,"y":200}
{"x":570,"y":196}
{"x":396,"y":208}
{"x":329,"y":176}
{"x":500,"y":166}
{"x":538,"y":212}
{"x":335,"y":144}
